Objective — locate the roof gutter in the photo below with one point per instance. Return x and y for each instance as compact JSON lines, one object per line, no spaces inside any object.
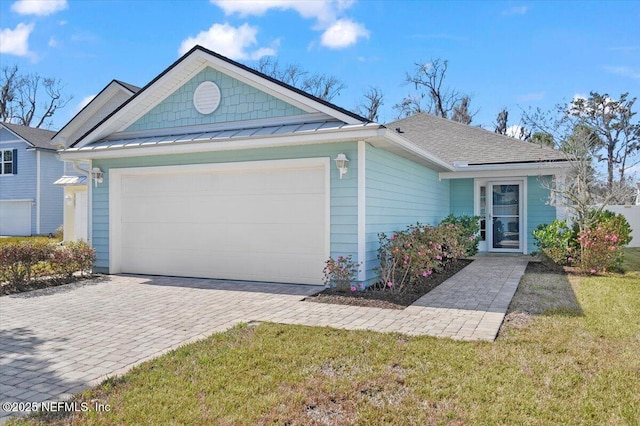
{"x":310,"y":138}
{"x":531,"y":169}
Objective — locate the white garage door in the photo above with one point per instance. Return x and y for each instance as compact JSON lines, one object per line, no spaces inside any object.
{"x":258,"y":221}
{"x":15,"y":217}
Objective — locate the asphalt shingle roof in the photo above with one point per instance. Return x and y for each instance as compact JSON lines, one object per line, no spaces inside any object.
{"x":452,"y":141}
{"x":40,"y":138}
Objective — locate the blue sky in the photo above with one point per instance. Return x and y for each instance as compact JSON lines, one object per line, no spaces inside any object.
{"x":514,"y":54}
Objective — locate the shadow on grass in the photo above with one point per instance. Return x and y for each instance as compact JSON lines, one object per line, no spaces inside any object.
{"x":545,"y":291}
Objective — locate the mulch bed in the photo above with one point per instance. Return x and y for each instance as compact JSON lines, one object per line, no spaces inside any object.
{"x":7,"y":289}
{"x":378,"y":297}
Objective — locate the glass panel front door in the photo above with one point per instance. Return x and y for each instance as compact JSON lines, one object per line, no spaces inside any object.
{"x":505,"y":217}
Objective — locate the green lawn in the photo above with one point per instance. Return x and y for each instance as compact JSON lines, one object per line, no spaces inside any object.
{"x":575,"y":362}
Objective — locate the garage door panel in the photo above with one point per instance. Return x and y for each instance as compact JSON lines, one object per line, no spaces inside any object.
{"x":256,"y":223}
{"x":15,"y":218}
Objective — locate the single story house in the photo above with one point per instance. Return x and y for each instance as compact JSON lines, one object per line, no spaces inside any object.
{"x":216,"y":170}
{"x":29,"y":202}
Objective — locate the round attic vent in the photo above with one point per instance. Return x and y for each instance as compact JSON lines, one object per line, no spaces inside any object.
{"x":206,"y":98}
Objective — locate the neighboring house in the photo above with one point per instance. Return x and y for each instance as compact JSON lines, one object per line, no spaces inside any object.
{"x":29,"y":202}
{"x":216,"y":170}
{"x":74,"y":176}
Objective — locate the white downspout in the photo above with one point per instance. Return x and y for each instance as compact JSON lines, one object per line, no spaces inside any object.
{"x":87,"y":173}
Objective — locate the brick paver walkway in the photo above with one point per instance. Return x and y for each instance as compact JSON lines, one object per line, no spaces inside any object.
{"x":59,"y":341}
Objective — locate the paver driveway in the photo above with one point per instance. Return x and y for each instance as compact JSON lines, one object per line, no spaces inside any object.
{"x":59,"y":341}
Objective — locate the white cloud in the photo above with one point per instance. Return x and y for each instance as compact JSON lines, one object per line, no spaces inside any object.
{"x":230,"y":41}
{"x":16,"y":41}
{"x":324,"y":11}
{"x":624,"y":72}
{"x":337,"y":32}
{"x":83,"y":103}
{"x":53,"y":42}
{"x":39,"y":7}
{"x":515,"y":10}
{"x":343,"y":33}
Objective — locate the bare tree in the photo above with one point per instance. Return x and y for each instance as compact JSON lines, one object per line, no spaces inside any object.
{"x":29,"y":99}
{"x":369,"y":106}
{"x":461,"y":112}
{"x":501,"y":122}
{"x":579,"y":190}
{"x":611,"y":120}
{"x":323,"y":86}
{"x":428,"y":80}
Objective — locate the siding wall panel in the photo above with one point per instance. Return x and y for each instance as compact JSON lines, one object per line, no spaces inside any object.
{"x":399,"y":192}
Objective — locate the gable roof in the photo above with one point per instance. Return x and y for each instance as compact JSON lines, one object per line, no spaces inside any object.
{"x":85,"y":114}
{"x":188,"y":65}
{"x":456,"y":142}
{"x":38,"y":138}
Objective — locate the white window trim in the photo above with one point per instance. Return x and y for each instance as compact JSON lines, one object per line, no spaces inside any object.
{"x":3,"y":162}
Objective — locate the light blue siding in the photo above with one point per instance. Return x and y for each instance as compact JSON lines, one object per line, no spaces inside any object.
{"x":239,"y":102}
{"x":538,"y":209}
{"x":23,"y":185}
{"x":461,"y":196}
{"x":51,"y":196}
{"x":399,"y":192}
{"x":343,"y":209}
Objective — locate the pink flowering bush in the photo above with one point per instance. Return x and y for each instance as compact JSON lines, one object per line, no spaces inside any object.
{"x":597,"y":248}
{"x":600,"y":249}
{"x":341,"y":273}
{"x":414,"y":254}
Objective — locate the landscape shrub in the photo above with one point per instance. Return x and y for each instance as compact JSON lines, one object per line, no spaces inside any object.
{"x":341,"y":273}
{"x":596,"y":249}
{"x":74,"y":256}
{"x":556,"y":242}
{"x":414,"y":254}
{"x":23,"y":261}
{"x":18,"y":259}
{"x":469,"y":228}
{"x":600,"y":248}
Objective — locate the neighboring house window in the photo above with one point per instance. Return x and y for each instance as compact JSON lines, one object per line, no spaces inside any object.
{"x":9,"y":162}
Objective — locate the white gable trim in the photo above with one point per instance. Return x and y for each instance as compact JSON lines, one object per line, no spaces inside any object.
{"x":185,"y":69}
{"x":93,"y":107}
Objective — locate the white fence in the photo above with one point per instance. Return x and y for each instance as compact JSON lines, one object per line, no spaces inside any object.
{"x":632,"y":214}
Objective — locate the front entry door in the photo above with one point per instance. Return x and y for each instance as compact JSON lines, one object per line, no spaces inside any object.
{"x":505,"y":216}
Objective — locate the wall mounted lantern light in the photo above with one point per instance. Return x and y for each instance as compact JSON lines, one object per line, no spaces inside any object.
{"x":96,"y":174}
{"x":341,"y":163}
{"x":68,"y":199}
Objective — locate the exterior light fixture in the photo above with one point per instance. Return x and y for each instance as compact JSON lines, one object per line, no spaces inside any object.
{"x":341,"y":163}
{"x":97,"y":175}
{"x":68,"y":199}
